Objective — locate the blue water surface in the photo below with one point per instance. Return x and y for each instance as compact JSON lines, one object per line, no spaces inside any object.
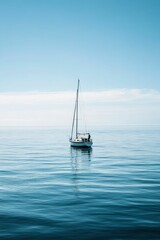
{"x":49,"y":190}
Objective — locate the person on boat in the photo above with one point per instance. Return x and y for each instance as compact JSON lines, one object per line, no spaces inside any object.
{"x":89,"y":137}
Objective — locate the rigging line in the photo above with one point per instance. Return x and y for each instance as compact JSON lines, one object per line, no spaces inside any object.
{"x":84,"y":111}
{"x":73,"y":121}
{"x":74,"y":115}
{"x":77,"y":109}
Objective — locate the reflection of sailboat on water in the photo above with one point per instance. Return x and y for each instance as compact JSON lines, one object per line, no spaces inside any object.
{"x":81,"y":139}
{"x":80,"y":161}
{"x":79,"y":154}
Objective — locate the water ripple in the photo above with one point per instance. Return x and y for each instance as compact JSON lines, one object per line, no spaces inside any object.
{"x":51,"y":191}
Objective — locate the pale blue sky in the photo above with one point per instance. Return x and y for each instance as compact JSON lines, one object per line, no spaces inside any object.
{"x":45,"y":45}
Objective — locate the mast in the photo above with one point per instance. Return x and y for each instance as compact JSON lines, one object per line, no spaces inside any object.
{"x":75,"y":115}
{"x":77,"y":110}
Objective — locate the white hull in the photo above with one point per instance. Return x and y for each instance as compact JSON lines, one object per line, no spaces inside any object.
{"x":81,"y":144}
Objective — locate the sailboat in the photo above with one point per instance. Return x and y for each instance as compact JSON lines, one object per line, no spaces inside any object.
{"x":80,"y":139}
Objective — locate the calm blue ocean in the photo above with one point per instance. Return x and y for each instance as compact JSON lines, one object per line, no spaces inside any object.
{"x":50,"y":191}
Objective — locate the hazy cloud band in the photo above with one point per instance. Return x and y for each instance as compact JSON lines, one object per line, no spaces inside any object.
{"x":115,"y":106}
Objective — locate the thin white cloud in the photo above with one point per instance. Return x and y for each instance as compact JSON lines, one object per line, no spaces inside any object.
{"x":124,"y":95}
{"x":113,"y":95}
{"x":123,"y":106}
